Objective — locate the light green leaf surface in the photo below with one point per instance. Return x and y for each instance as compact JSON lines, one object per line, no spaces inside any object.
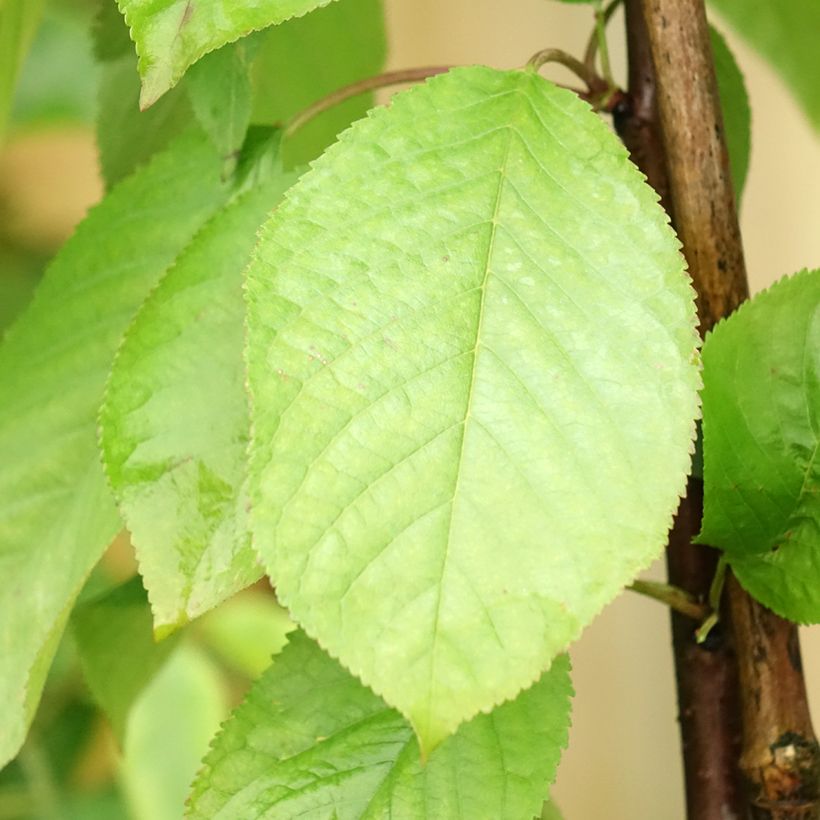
{"x":785,"y":33}
{"x":761,"y":427}
{"x":737,"y":116}
{"x":118,"y":653}
{"x":171,"y":35}
{"x":168,"y":733}
{"x":219,"y":88}
{"x":126,"y":136}
{"x":56,"y":511}
{"x":18,"y":23}
{"x":310,"y":741}
{"x":174,"y":426}
{"x":288,"y":77}
{"x":473,"y":370}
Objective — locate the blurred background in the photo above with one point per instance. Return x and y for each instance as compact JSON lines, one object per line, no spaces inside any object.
{"x":623,"y":760}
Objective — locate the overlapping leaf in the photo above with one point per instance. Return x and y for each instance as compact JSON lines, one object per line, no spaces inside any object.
{"x":311,"y":741}
{"x":18,"y":24}
{"x":56,"y":512}
{"x":786,"y":34}
{"x":174,"y":426}
{"x":761,"y":425}
{"x":472,"y":362}
{"x":171,"y":35}
{"x":114,"y":637}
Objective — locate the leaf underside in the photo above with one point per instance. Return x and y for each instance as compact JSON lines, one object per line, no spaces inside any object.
{"x":761,"y":426}
{"x":171,"y":35}
{"x":174,"y":425}
{"x":310,"y":741}
{"x":56,"y":511}
{"x":473,"y":371}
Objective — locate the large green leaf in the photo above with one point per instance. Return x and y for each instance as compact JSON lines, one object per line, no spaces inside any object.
{"x":174,"y":426}
{"x":473,"y":371}
{"x":350,"y":36}
{"x":18,"y":24}
{"x":171,"y":35}
{"x":114,"y":637}
{"x":56,"y":512}
{"x":761,"y":428}
{"x":786,"y":34}
{"x":737,"y":116}
{"x":310,"y":741}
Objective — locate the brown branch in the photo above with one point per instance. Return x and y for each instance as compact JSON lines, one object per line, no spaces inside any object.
{"x":706,"y":675}
{"x":780,"y":760}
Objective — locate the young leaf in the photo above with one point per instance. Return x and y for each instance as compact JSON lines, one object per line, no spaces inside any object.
{"x":287,"y":78}
{"x":174,"y":426}
{"x":737,"y":116}
{"x":114,"y":637}
{"x":761,"y":426}
{"x":786,"y":34}
{"x":219,"y":87}
{"x":171,"y":35}
{"x":18,"y":24}
{"x":469,"y":334}
{"x":56,"y":512}
{"x":310,"y":741}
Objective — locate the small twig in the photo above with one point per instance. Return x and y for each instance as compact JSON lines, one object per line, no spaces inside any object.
{"x":674,"y":597}
{"x":556,"y":55}
{"x":596,"y":39}
{"x":405,"y":75}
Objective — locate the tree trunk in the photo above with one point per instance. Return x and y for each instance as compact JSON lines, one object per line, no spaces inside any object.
{"x":747,"y":681}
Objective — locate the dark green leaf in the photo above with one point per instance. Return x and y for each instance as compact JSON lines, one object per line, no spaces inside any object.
{"x":761,"y":425}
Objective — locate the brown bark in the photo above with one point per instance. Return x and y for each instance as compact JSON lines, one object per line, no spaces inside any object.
{"x":672,"y":124}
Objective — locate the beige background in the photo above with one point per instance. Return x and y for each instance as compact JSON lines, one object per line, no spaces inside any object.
{"x":623,"y":760}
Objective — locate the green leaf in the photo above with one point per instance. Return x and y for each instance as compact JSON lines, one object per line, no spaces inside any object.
{"x":219,"y":88}
{"x":469,"y":334}
{"x":126,"y":136}
{"x":287,"y":76}
{"x":56,"y":511}
{"x":168,"y":733}
{"x":171,"y":35}
{"x":785,"y":33}
{"x":114,"y":636}
{"x":310,"y":741}
{"x":174,"y":426}
{"x":761,"y":426}
{"x":737,"y":116}
{"x":18,"y":23}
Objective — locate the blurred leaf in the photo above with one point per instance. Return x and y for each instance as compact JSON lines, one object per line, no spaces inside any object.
{"x":119,"y":655}
{"x":550,"y":812}
{"x":171,"y":35}
{"x":59,"y":78}
{"x":350,"y":37}
{"x":247,"y":631}
{"x":56,"y":512}
{"x":168,"y":733}
{"x":737,"y":116}
{"x":786,"y":34}
{"x":18,"y":23}
{"x":311,"y":741}
{"x":761,"y":427}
